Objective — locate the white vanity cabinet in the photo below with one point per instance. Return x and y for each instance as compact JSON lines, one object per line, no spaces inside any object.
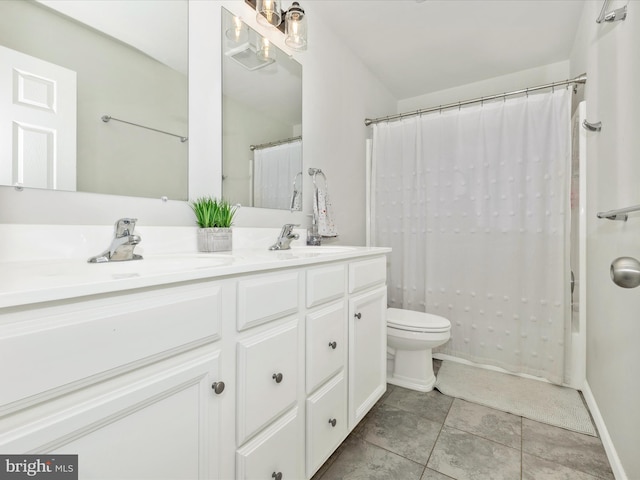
{"x":249,"y":373}
{"x":122,"y":380}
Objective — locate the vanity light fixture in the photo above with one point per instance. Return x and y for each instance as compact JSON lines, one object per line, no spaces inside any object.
{"x":295,"y":29}
{"x":293,"y":22}
{"x":268,"y":12}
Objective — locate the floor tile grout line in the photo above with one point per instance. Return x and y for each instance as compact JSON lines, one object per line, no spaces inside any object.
{"x":477,"y":434}
{"x":595,"y":477}
{"x":436,"y":442}
{"x":521,"y":452}
{"x":392,"y":452}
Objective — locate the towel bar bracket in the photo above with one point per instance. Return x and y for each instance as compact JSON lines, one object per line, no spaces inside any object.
{"x":619,"y":214}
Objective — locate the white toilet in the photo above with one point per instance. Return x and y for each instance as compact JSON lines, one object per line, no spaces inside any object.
{"x":410,"y":338}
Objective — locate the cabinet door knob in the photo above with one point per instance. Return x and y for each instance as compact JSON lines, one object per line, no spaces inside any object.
{"x":277,"y":377}
{"x":277,"y":476}
{"x":218,"y":387}
{"x":333,"y":345}
{"x":358,"y":315}
{"x":333,"y":422}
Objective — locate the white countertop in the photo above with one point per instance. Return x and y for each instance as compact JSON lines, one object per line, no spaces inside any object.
{"x":31,"y":281}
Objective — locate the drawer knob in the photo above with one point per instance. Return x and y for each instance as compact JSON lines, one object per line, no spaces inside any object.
{"x":333,"y":422}
{"x":358,"y":315}
{"x":333,"y":345}
{"x":277,"y":476}
{"x":218,"y":387}
{"x":277,"y":377}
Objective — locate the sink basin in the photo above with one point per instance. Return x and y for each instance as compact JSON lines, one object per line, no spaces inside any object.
{"x":160,"y":264}
{"x":183,"y":260}
{"x":307,"y":250}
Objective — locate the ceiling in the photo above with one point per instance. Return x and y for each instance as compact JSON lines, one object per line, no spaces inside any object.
{"x":416,"y":47}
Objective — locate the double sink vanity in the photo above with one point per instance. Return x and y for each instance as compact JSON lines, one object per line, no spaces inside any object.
{"x":247,"y":364}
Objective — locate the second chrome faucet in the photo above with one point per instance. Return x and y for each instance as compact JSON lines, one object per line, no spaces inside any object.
{"x":285,"y":238}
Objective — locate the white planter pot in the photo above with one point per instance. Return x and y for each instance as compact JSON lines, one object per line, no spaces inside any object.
{"x":215,"y":239}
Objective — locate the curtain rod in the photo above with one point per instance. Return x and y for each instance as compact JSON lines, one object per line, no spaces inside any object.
{"x":580,"y":79}
{"x":273,"y":144}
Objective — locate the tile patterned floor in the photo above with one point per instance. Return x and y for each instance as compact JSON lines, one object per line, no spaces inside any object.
{"x":428,"y":436}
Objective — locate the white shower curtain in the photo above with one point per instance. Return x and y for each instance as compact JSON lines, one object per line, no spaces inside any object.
{"x":475,"y":204}
{"x":275,"y":170}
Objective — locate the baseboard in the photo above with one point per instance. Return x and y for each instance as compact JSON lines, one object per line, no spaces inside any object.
{"x":612,"y":454}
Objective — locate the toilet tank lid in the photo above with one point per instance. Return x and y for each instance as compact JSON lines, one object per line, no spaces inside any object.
{"x":421,"y":321}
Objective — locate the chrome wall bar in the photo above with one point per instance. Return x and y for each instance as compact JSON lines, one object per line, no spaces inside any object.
{"x":580,"y":79}
{"x":613,"y":15}
{"x":619,"y":214}
{"x":106,"y":118}
{"x":273,"y":144}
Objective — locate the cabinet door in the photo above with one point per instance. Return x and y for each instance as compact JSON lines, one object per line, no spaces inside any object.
{"x":367,"y":352}
{"x":160,"y":425}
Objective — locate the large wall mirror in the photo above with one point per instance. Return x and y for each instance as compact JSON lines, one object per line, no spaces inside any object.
{"x":261,"y":120}
{"x":94,"y":96}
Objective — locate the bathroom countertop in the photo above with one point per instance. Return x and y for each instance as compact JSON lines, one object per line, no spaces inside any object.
{"x":27,"y":282}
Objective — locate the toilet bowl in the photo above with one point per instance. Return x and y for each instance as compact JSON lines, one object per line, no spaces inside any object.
{"x":410,"y":338}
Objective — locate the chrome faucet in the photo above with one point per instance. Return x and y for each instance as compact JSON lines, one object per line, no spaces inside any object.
{"x":285,"y":237}
{"x":122,"y":245}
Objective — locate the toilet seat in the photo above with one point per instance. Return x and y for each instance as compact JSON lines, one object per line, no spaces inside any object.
{"x":411,"y":321}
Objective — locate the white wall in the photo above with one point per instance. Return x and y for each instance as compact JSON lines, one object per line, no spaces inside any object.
{"x":609,"y":54}
{"x":504,"y":83}
{"x":338,"y":93}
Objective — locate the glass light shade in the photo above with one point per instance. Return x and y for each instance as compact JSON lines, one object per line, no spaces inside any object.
{"x":237,"y":31}
{"x":265,"y":51}
{"x":295,"y":28}
{"x":268,"y":12}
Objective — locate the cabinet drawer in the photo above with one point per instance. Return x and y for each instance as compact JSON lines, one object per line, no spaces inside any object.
{"x":326,"y":344}
{"x":266,"y":297}
{"x":367,"y":273}
{"x":267,"y":377}
{"x":326,"y":422}
{"x":55,"y":347}
{"x":325,"y":284}
{"x":277,"y":450}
